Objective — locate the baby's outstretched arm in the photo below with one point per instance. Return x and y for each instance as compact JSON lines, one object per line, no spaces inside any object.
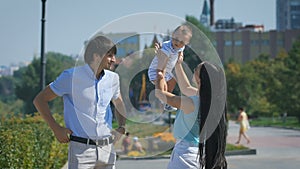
{"x":162,"y":57}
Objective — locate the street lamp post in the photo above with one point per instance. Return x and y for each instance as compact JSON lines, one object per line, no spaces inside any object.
{"x":212,"y":12}
{"x":43,"y":59}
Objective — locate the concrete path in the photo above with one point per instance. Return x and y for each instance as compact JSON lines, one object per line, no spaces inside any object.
{"x":277,"y":148}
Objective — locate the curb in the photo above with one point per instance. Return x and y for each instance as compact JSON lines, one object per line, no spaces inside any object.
{"x":241,"y":152}
{"x":227,"y":153}
{"x":144,"y":158}
{"x":280,"y":127}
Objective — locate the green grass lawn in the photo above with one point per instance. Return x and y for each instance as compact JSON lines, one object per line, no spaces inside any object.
{"x":290,"y":122}
{"x":231,"y":147}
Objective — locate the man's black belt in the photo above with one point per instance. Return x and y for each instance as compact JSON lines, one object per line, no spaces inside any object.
{"x":100,"y":142}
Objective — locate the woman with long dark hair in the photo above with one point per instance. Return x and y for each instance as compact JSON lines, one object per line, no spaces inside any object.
{"x":200,"y":124}
{"x":212,"y":115}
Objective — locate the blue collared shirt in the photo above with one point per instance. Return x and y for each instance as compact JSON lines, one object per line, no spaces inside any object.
{"x":86,"y":100}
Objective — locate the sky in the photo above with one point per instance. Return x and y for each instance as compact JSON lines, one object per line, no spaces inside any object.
{"x":71,"y":22}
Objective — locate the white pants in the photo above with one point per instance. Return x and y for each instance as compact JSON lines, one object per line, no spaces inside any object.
{"x":91,"y":156}
{"x":184,"y":156}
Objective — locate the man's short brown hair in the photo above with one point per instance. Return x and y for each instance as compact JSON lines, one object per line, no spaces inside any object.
{"x":100,"y":45}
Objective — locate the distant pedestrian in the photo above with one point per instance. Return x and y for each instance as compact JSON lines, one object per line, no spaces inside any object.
{"x":137,"y":146}
{"x":244,"y":125}
{"x":126,"y":143}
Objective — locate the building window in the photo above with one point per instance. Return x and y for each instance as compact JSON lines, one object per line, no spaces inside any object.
{"x":279,"y":42}
{"x":228,"y":43}
{"x":254,"y":42}
{"x":238,"y":43}
{"x":265,"y":42}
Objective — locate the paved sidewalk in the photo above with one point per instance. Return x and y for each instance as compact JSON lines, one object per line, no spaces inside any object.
{"x":276,"y":149}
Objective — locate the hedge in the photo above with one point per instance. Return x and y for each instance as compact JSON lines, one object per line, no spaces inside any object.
{"x":29,"y":143}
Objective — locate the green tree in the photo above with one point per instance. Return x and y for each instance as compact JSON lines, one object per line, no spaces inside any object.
{"x":11,"y":109}
{"x":263,"y":83}
{"x":248,"y":86}
{"x":233,"y":74}
{"x":7,"y":85}
{"x":291,"y":76}
{"x":273,"y":83}
{"x":9,"y":104}
{"x":266,"y":86}
{"x":28,"y":86}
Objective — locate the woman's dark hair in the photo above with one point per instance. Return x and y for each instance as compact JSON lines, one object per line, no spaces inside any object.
{"x":100,"y":45}
{"x":213,"y":134}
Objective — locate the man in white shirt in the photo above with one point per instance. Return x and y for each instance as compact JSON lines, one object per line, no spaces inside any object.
{"x":87,"y":91}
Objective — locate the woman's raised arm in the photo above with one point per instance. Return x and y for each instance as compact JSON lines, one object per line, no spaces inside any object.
{"x":183,"y":82}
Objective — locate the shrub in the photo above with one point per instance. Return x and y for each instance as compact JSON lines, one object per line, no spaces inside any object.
{"x":29,"y":143}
